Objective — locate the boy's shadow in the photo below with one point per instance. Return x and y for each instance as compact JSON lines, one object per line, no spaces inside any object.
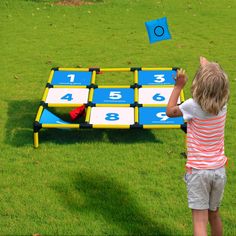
{"x":19,"y":129}
{"x":110,"y":200}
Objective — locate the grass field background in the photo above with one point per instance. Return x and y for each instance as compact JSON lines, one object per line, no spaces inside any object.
{"x":103,"y":182}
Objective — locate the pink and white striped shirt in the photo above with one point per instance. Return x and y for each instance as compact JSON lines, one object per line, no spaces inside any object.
{"x":205,"y":136}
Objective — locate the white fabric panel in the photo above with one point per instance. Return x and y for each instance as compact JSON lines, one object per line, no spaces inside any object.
{"x":155,"y":95}
{"x":112,"y":115}
{"x":67,"y":95}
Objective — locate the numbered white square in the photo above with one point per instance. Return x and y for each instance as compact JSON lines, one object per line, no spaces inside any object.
{"x":112,"y":115}
{"x":67,"y":95}
{"x":155,"y":95}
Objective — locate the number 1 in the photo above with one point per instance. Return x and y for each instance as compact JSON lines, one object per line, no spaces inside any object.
{"x":72,"y":78}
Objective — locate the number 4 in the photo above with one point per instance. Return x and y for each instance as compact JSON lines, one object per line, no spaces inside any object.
{"x":67,"y":97}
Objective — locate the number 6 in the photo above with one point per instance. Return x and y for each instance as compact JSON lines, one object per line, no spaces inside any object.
{"x":158,"y":97}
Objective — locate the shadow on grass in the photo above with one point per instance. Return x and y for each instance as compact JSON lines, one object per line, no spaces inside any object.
{"x":20,"y":116}
{"x":19,"y":130}
{"x":107,"y":199}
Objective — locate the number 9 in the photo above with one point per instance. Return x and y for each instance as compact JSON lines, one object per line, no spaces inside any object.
{"x":162,"y":116}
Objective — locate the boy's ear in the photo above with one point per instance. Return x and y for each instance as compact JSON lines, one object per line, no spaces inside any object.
{"x":203,"y":61}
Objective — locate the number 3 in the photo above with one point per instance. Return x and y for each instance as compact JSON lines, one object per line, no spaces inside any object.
{"x":159,"y":78}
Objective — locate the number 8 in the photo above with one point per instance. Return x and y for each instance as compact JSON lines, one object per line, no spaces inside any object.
{"x":112,"y":116}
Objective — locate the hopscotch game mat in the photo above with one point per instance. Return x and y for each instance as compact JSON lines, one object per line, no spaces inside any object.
{"x":141,"y":104}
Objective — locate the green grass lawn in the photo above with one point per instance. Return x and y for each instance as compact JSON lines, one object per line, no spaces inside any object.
{"x":103,"y":182}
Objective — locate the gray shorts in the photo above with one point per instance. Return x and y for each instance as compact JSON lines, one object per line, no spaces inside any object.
{"x":205,"y":188}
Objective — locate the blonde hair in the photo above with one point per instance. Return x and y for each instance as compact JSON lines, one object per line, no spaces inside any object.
{"x":210,"y":88}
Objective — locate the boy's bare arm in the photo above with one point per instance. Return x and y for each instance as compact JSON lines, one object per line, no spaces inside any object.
{"x":172,"y":108}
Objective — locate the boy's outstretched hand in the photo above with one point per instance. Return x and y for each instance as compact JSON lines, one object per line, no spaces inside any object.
{"x":181,"y":78}
{"x":172,"y":109}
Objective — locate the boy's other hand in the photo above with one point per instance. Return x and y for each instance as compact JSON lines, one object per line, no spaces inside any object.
{"x":181,"y":78}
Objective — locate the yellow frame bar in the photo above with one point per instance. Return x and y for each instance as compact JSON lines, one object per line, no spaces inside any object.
{"x":60,"y":125}
{"x":88,"y":113}
{"x":45,"y":94}
{"x":154,"y":105}
{"x":161,"y":126}
{"x":69,"y":86}
{"x":93,"y":77}
{"x":91,"y":93}
{"x":36,"y":139}
{"x":136,"y":115}
{"x":158,"y":68}
{"x":157,"y":86}
{"x":74,"y":69}
{"x":39,"y":113}
{"x":50,"y":76}
{"x":113,"y":86}
{"x":64,"y":105}
{"x":136,"y":95}
{"x":112,"y":105}
{"x":115,"y":69}
{"x":96,"y":126}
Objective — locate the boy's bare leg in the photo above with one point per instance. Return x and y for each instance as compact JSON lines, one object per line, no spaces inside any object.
{"x":215,"y":222}
{"x":200,"y":221}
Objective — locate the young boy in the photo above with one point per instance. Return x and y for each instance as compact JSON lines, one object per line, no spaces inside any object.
{"x":205,"y":114}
